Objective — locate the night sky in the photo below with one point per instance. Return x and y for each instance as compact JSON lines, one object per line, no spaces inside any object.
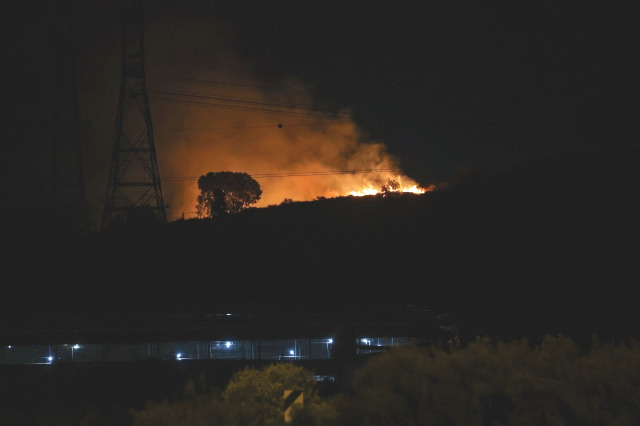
{"x":428,"y":90}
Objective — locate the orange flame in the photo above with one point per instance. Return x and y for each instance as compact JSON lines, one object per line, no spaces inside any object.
{"x":298,"y":156}
{"x":372,"y":191}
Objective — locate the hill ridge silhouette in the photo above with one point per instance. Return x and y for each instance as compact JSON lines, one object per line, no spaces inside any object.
{"x":549,"y":244}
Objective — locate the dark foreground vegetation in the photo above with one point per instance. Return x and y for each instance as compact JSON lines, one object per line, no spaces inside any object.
{"x":480,"y":383}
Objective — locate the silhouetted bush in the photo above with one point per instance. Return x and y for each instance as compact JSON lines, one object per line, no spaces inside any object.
{"x":507,"y":383}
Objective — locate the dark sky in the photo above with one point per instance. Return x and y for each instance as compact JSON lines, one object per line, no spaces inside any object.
{"x":461,"y":83}
{"x":434,"y":88}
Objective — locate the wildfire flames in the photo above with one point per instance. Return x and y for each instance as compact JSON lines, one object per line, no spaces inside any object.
{"x":285,"y":141}
{"x":372,"y":191}
{"x":217,"y":114}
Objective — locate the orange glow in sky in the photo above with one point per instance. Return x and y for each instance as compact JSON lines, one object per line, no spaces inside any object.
{"x":291,"y":149}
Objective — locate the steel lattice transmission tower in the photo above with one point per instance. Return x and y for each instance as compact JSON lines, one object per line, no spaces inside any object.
{"x":134,"y":180}
{"x":67,"y":197}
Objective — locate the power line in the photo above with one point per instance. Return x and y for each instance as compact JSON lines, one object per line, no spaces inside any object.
{"x":279,"y":125}
{"x":310,"y":113}
{"x":241,"y":104}
{"x":296,"y":174}
{"x":206,"y":96}
{"x":324,"y":173}
{"x":226,"y":83}
{"x":252,"y":109}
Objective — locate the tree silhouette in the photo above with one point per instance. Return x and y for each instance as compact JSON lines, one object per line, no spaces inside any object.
{"x":392,"y":185}
{"x":226,"y":192}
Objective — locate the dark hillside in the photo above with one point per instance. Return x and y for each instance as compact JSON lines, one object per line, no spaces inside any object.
{"x":555,"y":239}
{"x":558,"y":237}
{"x":549,"y":245}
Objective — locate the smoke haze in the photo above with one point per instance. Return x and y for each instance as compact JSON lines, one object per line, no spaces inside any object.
{"x":296,"y":158}
{"x":212,"y":111}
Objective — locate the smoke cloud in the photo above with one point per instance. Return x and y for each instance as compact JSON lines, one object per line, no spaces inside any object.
{"x":299,"y":158}
{"x":213,"y":111}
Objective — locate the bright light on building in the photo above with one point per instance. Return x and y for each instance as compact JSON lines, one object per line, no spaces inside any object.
{"x":178,"y":356}
{"x":228,"y":344}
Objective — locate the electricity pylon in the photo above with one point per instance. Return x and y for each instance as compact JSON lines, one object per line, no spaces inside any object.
{"x":134,"y":180}
{"x":67,"y":197}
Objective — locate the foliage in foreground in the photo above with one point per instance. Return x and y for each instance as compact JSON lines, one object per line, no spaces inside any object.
{"x":506,"y":383}
{"x":480,"y":384}
{"x":253,"y":397}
